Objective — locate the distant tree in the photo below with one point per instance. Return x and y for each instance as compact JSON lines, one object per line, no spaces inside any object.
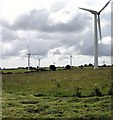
{"x":52,"y":67}
{"x":68,"y":67}
{"x":85,"y":65}
{"x":90,"y":65}
{"x":32,"y":68}
{"x":104,"y":65}
{"x":81,"y":66}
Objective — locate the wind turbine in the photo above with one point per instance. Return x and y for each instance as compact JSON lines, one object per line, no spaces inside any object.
{"x":29,"y":54}
{"x":71,"y":57}
{"x":96,"y":22}
{"x":29,"y":57}
{"x":39,"y":61}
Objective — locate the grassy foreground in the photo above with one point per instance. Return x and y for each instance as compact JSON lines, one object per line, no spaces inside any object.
{"x":77,"y":93}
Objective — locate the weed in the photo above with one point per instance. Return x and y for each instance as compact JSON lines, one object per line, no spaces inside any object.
{"x":58,"y":83}
{"x":98,"y":92}
{"x":78,"y":92}
{"x":110,"y":91}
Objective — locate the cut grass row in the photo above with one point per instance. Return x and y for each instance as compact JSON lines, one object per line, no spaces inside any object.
{"x":56,"y":107}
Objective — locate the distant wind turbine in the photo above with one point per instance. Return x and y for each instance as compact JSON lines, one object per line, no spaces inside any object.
{"x":29,"y":54}
{"x":39,"y":61}
{"x":71,"y":58}
{"x":29,"y":57}
{"x":96,"y":22}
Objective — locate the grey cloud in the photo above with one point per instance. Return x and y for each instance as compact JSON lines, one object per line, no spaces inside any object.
{"x":41,"y":47}
{"x":5,"y":23}
{"x":106,"y":17}
{"x":15,"y":46}
{"x":39,"y":20}
{"x":33,"y":20}
{"x":104,"y":50}
{"x":88,"y":47}
{"x":57,"y":52}
{"x":8,"y":34}
{"x":50,"y":36}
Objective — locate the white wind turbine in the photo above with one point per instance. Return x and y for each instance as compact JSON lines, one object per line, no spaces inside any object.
{"x":29,"y":57}
{"x":39,"y":61}
{"x":71,"y":58}
{"x":96,"y":21}
{"x":29,"y":54}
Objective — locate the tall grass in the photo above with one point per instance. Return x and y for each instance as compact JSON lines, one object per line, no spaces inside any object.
{"x":65,"y":82}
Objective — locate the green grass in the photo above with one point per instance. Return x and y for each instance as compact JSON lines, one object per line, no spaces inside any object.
{"x":77,"y":93}
{"x":14,"y":70}
{"x":55,"y":107}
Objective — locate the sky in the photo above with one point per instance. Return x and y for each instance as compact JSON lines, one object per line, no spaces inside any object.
{"x":52,"y":31}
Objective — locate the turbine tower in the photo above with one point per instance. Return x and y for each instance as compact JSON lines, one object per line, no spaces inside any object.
{"x":71,"y":58}
{"x":29,"y":54}
{"x":96,"y":22}
{"x":39,"y":61}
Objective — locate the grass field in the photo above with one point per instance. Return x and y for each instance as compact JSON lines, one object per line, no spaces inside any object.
{"x":77,"y":93}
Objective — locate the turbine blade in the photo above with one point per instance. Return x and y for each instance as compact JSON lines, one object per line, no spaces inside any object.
{"x":89,"y":10}
{"x":104,"y":6}
{"x":99,"y":26}
{"x":85,"y":9}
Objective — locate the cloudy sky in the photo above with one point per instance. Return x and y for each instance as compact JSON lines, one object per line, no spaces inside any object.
{"x":52,"y":30}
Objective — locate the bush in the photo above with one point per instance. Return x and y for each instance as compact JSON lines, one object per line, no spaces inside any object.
{"x":90,"y":65}
{"x":68,"y":67}
{"x":52,"y":67}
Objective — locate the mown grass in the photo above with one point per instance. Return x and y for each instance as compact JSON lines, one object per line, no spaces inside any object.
{"x":77,"y":93}
{"x":55,"y":107}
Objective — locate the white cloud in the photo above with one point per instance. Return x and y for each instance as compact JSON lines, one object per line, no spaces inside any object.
{"x":106,"y":40}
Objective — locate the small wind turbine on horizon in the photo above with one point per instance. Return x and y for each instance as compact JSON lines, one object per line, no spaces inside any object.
{"x":29,"y":54}
{"x":71,"y":58}
{"x":29,"y":57}
{"x":96,"y":22}
{"x":39,"y":61}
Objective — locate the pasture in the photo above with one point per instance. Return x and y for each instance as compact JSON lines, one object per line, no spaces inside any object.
{"x":76,"y":93}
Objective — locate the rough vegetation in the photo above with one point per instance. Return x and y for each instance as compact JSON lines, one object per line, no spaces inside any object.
{"x":75,"y":93}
